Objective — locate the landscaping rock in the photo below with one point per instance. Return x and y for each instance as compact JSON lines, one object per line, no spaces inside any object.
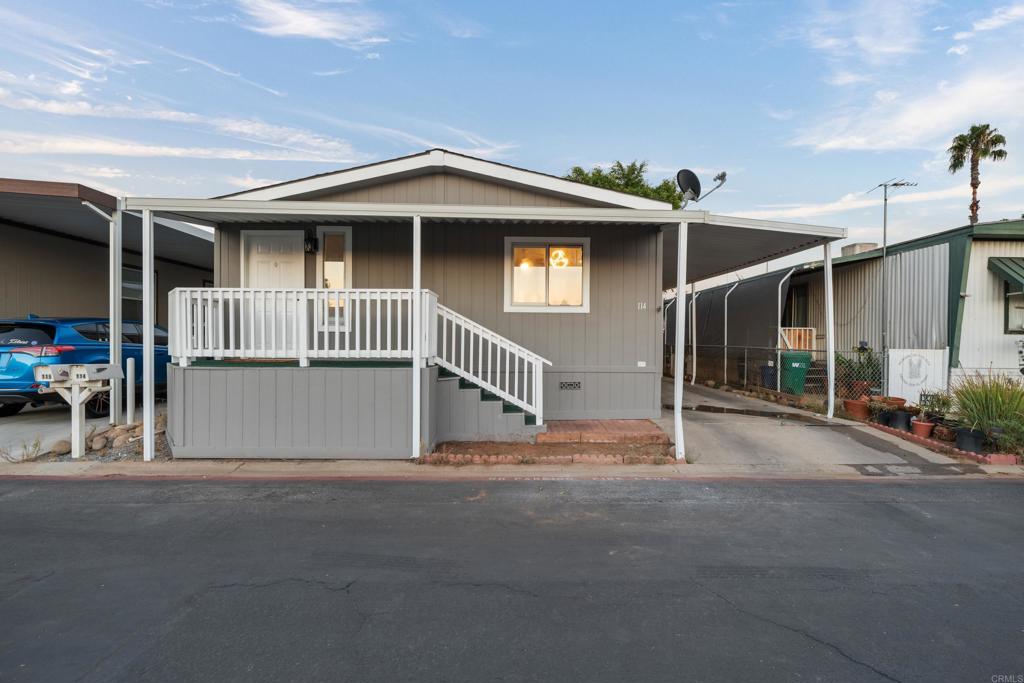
{"x":61,"y":447}
{"x":137,"y":431}
{"x":98,"y":443}
{"x":121,"y":441}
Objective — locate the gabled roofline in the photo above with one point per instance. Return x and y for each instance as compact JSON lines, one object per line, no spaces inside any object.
{"x":439,"y":160}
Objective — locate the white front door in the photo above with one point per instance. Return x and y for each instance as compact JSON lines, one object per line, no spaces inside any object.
{"x":273,"y":261}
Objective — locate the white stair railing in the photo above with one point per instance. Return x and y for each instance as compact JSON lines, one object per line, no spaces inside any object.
{"x":495,"y":363}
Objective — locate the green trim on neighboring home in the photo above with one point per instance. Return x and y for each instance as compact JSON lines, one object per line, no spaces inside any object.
{"x":271,"y":363}
{"x":959,"y":269}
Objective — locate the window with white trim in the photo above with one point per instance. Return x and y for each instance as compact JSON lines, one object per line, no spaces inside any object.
{"x":547,"y":274}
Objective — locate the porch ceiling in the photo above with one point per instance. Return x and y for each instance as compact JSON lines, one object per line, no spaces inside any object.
{"x":717,"y":244}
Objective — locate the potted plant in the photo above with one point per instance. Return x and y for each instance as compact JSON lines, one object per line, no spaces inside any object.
{"x":856,"y":408}
{"x":931,"y":407}
{"x":879,"y":411}
{"x":901,"y":417}
{"x":984,"y":404}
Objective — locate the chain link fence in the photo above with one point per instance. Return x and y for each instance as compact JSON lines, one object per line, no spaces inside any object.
{"x":858,"y":372}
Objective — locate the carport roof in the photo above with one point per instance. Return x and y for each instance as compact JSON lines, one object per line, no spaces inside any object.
{"x":717,"y":244}
{"x":59,"y":209}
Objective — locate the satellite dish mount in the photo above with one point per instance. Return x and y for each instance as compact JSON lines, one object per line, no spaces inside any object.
{"x":689,"y":184}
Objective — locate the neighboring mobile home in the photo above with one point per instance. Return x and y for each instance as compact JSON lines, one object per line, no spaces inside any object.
{"x":960,"y":290}
{"x":55,"y":258}
{"x":514,"y":296}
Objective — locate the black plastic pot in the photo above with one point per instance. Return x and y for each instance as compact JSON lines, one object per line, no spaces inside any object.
{"x":884,"y":417}
{"x":900,"y":420}
{"x":970,"y":440}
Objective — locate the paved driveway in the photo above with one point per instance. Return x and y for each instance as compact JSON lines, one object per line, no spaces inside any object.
{"x":858,"y":581}
{"x":751,"y":436}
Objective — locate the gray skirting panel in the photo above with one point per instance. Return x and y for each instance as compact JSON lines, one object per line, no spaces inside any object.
{"x":292,"y":412}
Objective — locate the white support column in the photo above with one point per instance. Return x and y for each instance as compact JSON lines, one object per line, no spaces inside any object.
{"x":417,"y":332}
{"x":148,"y":347}
{"x":114,"y":247}
{"x":677,"y":387}
{"x":830,"y":331}
{"x":725,"y":336}
{"x":693,"y":333}
{"x":778,"y":333}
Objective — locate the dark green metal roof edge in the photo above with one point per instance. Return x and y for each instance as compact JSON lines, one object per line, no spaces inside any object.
{"x":1010,"y":269}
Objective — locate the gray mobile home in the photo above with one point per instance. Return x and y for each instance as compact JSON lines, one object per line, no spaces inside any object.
{"x":514,"y":297}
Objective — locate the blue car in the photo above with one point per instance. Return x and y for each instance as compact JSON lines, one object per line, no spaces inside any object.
{"x":26,"y":343}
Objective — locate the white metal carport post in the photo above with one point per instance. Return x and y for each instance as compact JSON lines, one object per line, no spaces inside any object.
{"x":148,"y":348}
{"x":693,"y":333}
{"x":725,"y":336}
{"x":677,"y":388}
{"x":114,"y":300}
{"x":830,"y":336}
{"x":417,"y":329}
{"x":778,"y":334}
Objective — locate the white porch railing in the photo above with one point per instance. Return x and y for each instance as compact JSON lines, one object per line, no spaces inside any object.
{"x":491,"y":361}
{"x":342,"y":324}
{"x":300,"y":324}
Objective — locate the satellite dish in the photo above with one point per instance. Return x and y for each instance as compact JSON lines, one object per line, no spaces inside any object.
{"x":688,"y":183}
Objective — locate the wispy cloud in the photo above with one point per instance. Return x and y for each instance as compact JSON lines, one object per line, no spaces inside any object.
{"x":920,"y":120}
{"x":455,"y":139}
{"x":842,"y":78}
{"x":66,"y":52}
{"x":217,"y":69}
{"x":22,"y":142}
{"x":959,"y":50}
{"x":778,"y":114}
{"x":297,"y":140}
{"x":1000,"y":17}
{"x":332,"y":72}
{"x":872,"y":31}
{"x":461,"y":27}
{"x":862,"y":200}
{"x":346,"y":24}
{"x":247,"y":181}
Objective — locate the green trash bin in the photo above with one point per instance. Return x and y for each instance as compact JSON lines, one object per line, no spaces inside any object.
{"x":795,"y":365}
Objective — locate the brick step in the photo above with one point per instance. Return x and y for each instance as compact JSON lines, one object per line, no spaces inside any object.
{"x":503,"y":452}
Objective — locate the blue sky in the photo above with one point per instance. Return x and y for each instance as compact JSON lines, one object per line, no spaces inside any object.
{"x":807,"y":105}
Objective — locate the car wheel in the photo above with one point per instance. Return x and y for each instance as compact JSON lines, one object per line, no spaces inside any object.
{"x":98,"y":405}
{"x":8,"y":409}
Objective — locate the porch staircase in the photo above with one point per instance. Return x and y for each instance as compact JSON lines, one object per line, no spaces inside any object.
{"x":468,"y":411}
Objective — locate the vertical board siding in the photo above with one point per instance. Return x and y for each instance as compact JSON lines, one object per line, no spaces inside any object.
{"x":464,"y":264}
{"x":53,"y":276}
{"x":918,"y":301}
{"x":449,"y":188}
{"x":289,"y":412}
{"x":984,"y":345}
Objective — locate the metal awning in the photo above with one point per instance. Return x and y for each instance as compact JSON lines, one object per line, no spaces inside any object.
{"x":1010,"y":269}
{"x":60,"y":209}
{"x":717,"y":244}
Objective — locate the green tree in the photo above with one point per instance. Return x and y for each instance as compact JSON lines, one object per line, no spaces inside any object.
{"x":979,"y":143}
{"x":628,"y":178}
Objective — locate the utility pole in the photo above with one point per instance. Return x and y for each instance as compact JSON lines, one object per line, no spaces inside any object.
{"x":893,"y":183}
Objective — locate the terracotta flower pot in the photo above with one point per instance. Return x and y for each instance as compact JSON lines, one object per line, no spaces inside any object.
{"x":944,"y":432}
{"x":923,"y":429}
{"x":856,"y":409}
{"x":894,"y":401}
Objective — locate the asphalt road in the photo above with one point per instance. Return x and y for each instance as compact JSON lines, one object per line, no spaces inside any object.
{"x":514,"y":581}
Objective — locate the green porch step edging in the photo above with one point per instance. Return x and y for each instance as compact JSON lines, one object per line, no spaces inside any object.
{"x":485,"y":395}
{"x":256,"y":363}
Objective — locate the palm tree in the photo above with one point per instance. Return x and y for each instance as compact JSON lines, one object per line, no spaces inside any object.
{"x":980,"y":142}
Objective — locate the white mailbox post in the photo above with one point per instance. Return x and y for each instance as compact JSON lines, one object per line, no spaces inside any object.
{"x":77,"y":384}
